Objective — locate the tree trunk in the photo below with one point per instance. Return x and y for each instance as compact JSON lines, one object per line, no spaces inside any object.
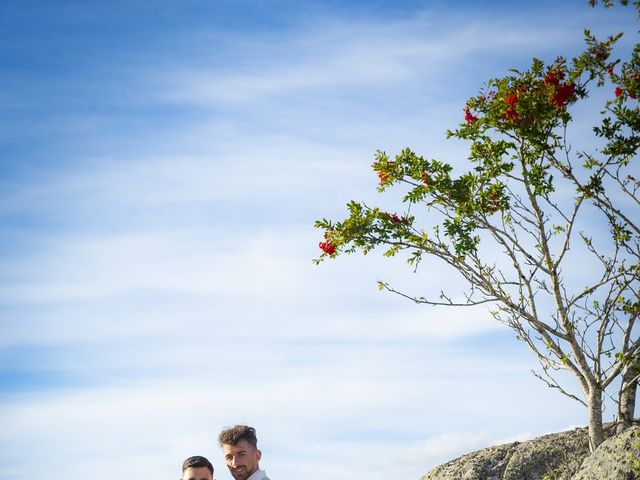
{"x":596,"y":431}
{"x":627,"y":399}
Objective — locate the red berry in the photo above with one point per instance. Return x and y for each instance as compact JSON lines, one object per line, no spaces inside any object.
{"x":327,"y":247}
{"x":469,"y":117}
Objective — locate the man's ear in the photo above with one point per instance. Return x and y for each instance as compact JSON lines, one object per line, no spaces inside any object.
{"x":258,"y":454}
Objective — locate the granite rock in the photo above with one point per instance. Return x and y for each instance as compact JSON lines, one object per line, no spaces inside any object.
{"x":618,"y":458}
{"x":557,"y":456}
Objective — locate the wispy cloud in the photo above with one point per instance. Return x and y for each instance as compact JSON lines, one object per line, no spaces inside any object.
{"x":358,"y":55}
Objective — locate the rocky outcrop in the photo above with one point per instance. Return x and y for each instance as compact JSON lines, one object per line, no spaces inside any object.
{"x":558,"y":456}
{"x":618,"y":458}
{"x":486,"y":464}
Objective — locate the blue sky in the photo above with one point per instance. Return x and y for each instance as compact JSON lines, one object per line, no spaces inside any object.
{"x":162,"y":166}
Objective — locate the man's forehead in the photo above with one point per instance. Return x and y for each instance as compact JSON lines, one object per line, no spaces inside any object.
{"x":241,"y":446}
{"x":196,"y":473}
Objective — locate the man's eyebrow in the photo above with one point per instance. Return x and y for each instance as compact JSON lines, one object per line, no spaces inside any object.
{"x":236,"y":453}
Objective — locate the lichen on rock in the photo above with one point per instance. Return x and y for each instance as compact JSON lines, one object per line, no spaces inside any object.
{"x":557,"y":456}
{"x":617,"y":458}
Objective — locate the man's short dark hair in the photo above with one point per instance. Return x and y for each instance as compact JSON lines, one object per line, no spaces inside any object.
{"x":233,"y":435}
{"x":196,"y":462}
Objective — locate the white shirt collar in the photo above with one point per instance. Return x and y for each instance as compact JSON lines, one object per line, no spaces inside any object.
{"x":257,"y":475}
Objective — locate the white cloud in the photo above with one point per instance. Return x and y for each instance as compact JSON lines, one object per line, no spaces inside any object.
{"x":449,"y":445}
{"x":206,"y":275}
{"x":358,"y":54}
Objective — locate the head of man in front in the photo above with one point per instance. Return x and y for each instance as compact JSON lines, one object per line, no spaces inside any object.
{"x":240,"y":447}
{"x":197,"y":468}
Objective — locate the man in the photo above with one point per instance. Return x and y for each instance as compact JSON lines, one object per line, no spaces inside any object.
{"x":197,"y":468}
{"x":240,"y":447}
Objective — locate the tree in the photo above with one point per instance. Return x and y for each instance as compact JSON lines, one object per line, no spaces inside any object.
{"x":541,"y":204}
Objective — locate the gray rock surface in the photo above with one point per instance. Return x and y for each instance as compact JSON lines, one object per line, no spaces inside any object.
{"x":558,"y":456}
{"x":486,"y":464}
{"x":618,"y":458}
{"x":561,"y":453}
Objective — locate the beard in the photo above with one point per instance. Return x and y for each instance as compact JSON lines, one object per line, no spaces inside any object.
{"x":240,"y":473}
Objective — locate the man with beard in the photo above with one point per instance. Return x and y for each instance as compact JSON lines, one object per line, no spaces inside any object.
{"x":240,"y":447}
